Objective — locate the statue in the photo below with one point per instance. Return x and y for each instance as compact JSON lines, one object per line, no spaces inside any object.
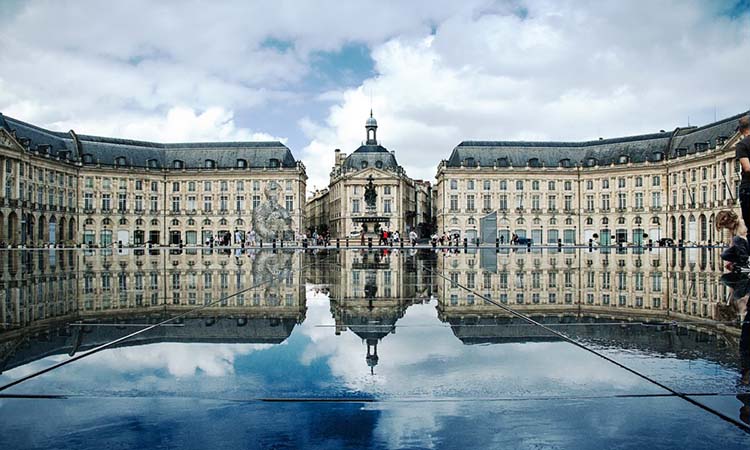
{"x":370,"y":194}
{"x":270,"y":219}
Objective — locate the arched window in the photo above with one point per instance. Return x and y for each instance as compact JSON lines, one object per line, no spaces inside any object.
{"x":605,"y":221}
{"x":568,"y":221}
{"x":621,"y":221}
{"x":89,"y":221}
{"x":471,"y":221}
{"x":241,"y":164}
{"x":223,"y":222}
{"x":207,"y":222}
{"x":655,"y":221}
{"x":589,"y":221}
{"x":106,"y":222}
{"x":638,"y":220}
{"x":175,"y":223}
{"x":553,"y":221}
{"x":154,"y":222}
{"x":123,"y":221}
{"x":520,"y":221}
{"x":191,"y":222}
{"x":177,"y":164}
{"x":239,"y":222}
{"x":139,"y":221}
{"x":454,"y":221}
{"x":209,"y":164}
{"x":121,"y":161}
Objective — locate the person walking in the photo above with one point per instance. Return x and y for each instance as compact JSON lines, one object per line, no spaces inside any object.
{"x":742,"y":153}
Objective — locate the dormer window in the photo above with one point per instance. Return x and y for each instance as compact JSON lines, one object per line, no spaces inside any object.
{"x":209,"y":164}
{"x":623,"y":159}
{"x":565,"y":162}
{"x":502,"y":162}
{"x":379,"y":164}
{"x":470,"y":162}
{"x":177,"y":164}
{"x":88,"y":158}
{"x":121,"y":161}
{"x":241,"y":164}
{"x":152,"y":163}
{"x":274,"y":163}
{"x":682,"y":151}
{"x":364,"y":164}
{"x":658,"y":156}
{"x":591,"y":162}
{"x":43,"y":148}
{"x":534,"y":162}
{"x":64,"y":155}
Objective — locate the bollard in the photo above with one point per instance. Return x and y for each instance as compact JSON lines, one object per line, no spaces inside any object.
{"x":338,"y":244}
{"x":347,"y":242}
{"x":369,"y":242}
{"x":401,"y":243}
{"x":281,"y":243}
{"x":304,"y":243}
{"x":466,"y":242}
{"x":434,"y":243}
{"x":559,"y":243}
{"x":477,"y":239}
{"x":591,"y":245}
{"x":528,"y":245}
{"x":261,"y":243}
{"x":497,"y":243}
{"x":650,"y":244}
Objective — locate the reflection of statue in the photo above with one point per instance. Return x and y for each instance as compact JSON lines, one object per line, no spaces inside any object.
{"x":273,"y":267}
{"x":370,"y":194}
{"x":270,"y":219}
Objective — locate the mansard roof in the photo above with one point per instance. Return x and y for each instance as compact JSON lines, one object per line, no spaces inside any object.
{"x":373,"y":156}
{"x":636,"y":149}
{"x":106,"y":151}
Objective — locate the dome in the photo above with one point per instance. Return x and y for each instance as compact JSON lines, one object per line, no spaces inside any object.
{"x":371,"y":122}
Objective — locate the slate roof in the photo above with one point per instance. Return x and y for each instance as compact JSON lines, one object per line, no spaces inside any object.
{"x":371,"y":155}
{"x":637,"y":149}
{"x":105,"y":150}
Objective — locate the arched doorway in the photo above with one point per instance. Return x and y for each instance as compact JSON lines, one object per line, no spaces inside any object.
{"x":61,"y":229}
{"x":28,"y":226}
{"x":683,"y":228}
{"x":12,"y":227}
{"x":673,"y":227}
{"x":2,"y":227}
{"x":72,"y":230}
{"x":692,"y":229}
{"x":53,"y":230}
{"x":42,"y":228}
{"x":711,"y":229}
{"x":703,"y":228}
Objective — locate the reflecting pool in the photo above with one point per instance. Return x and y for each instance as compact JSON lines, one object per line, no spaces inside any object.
{"x":487,"y":348}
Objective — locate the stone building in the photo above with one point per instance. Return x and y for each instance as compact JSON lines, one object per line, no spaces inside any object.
{"x":370,"y":168}
{"x":630,"y":189}
{"x":317,"y":212}
{"x":64,"y":187}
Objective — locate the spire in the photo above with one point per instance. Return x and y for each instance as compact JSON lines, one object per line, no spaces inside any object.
{"x":372,"y":128}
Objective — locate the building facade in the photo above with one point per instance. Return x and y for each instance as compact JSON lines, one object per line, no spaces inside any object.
{"x":390,"y":204}
{"x":631,"y":189}
{"x":69,"y":188}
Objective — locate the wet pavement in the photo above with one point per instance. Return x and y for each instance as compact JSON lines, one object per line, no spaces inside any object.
{"x":370,"y":349}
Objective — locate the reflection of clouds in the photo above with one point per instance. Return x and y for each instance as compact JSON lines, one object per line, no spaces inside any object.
{"x":425,"y":359}
{"x":180,"y":360}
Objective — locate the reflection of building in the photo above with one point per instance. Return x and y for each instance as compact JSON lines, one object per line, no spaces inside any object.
{"x":317,"y":213}
{"x":44,"y":292}
{"x":666,"y":184}
{"x":370,"y":292}
{"x":664,"y":283}
{"x":64,"y":187}
{"x":393,"y":206}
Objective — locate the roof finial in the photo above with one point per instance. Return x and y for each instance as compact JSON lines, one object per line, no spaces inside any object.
{"x":370,"y":111}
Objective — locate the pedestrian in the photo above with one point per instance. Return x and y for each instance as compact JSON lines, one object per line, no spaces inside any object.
{"x":742,"y":153}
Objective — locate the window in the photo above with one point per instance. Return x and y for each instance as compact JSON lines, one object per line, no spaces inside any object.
{"x":240,"y":203}
{"x":638,"y":181}
{"x":176,"y":203}
{"x":621,"y":182}
{"x":589,"y":185}
{"x":470,"y":185}
{"x":121,"y":161}
{"x":121,"y":202}
{"x":208,"y":203}
{"x":535,"y":185}
{"x":177,"y":164}
{"x":289,"y":200}
{"x":656,"y":180}
{"x":224,"y":186}
{"x":88,"y":201}
{"x":605,"y":183}
{"x":154,"y":203}
{"x":106,"y":202}
{"x":106,"y":183}
{"x":605,"y":202}
{"x":568,"y":185}
{"x":470,"y":203}
{"x":240,"y":185}
{"x":355,"y":205}
{"x":209,"y":164}
{"x":454,"y":203}
{"x":274,"y":163}
{"x":503,"y":185}
{"x":176,"y":187}
{"x":386,"y":190}
{"x":503,"y":202}
{"x":154,"y":186}
{"x":639,"y":200}
{"x":207,"y":186}
{"x":486,"y":185}
{"x":519,"y":185}
{"x":139,"y":203}
{"x":241,"y":164}
{"x":552,"y":202}
{"x":152,"y":164}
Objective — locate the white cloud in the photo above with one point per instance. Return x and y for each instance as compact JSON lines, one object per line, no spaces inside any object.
{"x":562,"y":70}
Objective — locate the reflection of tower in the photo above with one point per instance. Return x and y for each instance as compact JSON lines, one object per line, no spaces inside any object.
{"x":372,"y":358}
{"x":373,"y":293}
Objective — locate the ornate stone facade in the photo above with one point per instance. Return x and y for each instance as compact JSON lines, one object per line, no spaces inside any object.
{"x":62,"y":187}
{"x":632,"y":189}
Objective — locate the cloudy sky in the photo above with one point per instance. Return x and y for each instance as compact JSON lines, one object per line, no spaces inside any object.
{"x":435,"y":72}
